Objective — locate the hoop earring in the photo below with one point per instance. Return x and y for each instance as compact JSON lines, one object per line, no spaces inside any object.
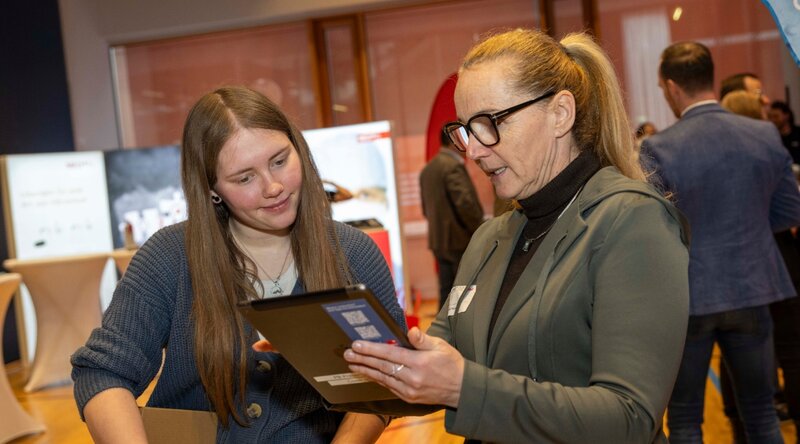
{"x":215,"y":199}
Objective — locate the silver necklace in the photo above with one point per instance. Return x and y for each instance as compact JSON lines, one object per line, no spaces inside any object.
{"x":277,"y":290}
{"x":529,"y":241}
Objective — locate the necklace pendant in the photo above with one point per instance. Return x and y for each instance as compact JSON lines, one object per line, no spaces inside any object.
{"x":527,"y":245}
{"x":277,"y":290}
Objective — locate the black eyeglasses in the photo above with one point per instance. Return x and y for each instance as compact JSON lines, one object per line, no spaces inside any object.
{"x":484,"y":126}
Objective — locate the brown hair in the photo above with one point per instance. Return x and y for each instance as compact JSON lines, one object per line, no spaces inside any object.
{"x":743,"y":103}
{"x":220,"y":271}
{"x":689,"y":65}
{"x":576,"y":64}
{"x":734,"y":83}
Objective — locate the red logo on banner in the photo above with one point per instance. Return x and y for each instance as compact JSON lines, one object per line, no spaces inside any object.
{"x":373,"y":136}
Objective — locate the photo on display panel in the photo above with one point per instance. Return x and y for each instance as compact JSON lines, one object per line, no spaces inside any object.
{"x":144,"y":192}
{"x":366,"y":200}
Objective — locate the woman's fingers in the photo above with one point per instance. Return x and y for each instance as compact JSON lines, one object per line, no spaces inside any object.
{"x":431,"y":374}
{"x":378,"y":376}
{"x":420,"y":340}
{"x":365,"y":360}
{"x":383,"y":351}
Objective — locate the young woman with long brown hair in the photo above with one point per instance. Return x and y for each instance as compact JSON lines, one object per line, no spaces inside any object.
{"x":259,"y":226}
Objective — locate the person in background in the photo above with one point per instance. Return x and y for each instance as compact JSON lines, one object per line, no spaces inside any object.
{"x":785,"y":313}
{"x":746,"y":81}
{"x":451,"y":205}
{"x":734,"y":182}
{"x":743,"y":103}
{"x":259,"y":226}
{"x":643,"y":131}
{"x":563,"y":325}
{"x":782,"y":116}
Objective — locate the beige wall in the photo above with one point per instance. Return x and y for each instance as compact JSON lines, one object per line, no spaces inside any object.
{"x":90,"y":27}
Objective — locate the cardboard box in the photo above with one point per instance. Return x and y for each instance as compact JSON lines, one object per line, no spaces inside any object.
{"x":175,"y":426}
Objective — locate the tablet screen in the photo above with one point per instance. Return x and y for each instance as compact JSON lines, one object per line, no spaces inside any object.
{"x":360,"y":321}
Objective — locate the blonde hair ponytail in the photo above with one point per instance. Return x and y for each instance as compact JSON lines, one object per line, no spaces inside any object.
{"x":605,"y":107}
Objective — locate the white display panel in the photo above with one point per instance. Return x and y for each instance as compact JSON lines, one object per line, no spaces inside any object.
{"x":59,"y":206}
{"x":360,"y":158}
{"x":59,"y":202}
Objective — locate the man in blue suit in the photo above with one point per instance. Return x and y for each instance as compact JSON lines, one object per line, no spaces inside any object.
{"x":732,"y":178}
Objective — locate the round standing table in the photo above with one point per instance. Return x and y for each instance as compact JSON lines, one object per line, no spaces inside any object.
{"x":122,"y":258}
{"x":66,"y":296}
{"x":15,"y":421}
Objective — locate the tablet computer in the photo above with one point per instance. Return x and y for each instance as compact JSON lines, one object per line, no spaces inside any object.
{"x":313,"y":330}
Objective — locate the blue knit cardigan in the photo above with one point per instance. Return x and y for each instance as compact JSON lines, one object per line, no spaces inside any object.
{"x":150,"y":312}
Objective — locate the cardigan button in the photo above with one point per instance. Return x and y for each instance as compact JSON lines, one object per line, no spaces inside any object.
{"x":263,"y":366}
{"x":253,"y":411}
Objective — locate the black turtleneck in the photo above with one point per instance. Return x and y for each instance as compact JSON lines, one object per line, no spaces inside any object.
{"x":542,"y":210}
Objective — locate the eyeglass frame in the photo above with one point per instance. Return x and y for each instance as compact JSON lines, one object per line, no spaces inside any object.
{"x":496,"y":118}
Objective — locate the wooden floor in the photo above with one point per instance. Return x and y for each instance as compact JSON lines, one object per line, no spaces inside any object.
{"x":56,"y":409}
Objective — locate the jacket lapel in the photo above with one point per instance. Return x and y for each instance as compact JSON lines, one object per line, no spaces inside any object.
{"x":489,"y":281}
{"x":564,"y":232}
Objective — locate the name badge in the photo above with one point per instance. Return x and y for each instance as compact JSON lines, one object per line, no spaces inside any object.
{"x":466,"y":300}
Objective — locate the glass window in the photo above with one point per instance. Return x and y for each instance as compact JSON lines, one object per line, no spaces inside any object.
{"x":157,"y":82}
{"x":411,"y":53}
{"x":343,"y":71}
{"x":741,"y":35}
{"x":567,"y":17}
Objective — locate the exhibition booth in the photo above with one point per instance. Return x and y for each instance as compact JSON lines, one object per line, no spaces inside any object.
{"x":74,"y":221}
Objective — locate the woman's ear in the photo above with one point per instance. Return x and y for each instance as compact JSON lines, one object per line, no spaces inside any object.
{"x":563,"y":105}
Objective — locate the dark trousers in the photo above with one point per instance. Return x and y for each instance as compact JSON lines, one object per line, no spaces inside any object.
{"x":786,"y":318}
{"x":447,"y":275}
{"x":745,"y":338}
{"x":786,"y":336}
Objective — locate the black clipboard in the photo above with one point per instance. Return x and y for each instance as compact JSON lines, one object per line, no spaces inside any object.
{"x":313,"y":330}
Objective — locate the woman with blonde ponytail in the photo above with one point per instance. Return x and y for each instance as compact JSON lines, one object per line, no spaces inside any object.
{"x":259,"y":226}
{"x":567,"y":319}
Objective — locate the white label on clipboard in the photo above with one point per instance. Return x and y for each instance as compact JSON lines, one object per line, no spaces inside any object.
{"x":455,"y":294}
{"x":342,"y":379}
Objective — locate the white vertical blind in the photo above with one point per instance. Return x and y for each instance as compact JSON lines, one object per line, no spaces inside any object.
{"x":645,"y":35}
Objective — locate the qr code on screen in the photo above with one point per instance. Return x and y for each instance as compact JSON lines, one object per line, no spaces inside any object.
{"x":368,"y":332}
{"x":355,"y":317}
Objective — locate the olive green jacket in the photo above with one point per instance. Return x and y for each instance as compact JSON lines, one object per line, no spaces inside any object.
{"x":588,"y":344}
